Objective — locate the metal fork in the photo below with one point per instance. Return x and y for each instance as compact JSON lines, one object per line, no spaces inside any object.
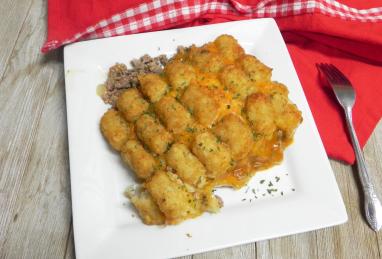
{"x":345,"y":95}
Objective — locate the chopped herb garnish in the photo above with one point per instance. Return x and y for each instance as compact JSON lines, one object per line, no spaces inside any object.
{"x":293,"y":189}
{"x":228,"y":106}
{"x":253,"y":190}
{"x":236,"y":96}
{"x":270,"y":184}
{"x":262,"y":181}
{"x":271,"y":190}
{"x":277,"y":178}
{"x":282,"y":193}
{"x":256,"y":136}
{"x":190,"y":129}
{"x":243,"y":199}
{"x":200,"y":144}
{"x":218,"y":139}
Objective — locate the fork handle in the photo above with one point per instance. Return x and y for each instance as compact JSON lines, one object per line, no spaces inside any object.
{"x":373,"y":208}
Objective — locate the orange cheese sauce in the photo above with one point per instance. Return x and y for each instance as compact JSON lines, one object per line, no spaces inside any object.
{"x":266,"y":153}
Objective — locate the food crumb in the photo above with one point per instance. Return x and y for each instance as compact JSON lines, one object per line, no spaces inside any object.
{"x":271,"y":190}
{"x":188,"y":235}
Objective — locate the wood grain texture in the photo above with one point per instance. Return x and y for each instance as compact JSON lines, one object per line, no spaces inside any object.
{"x":70,"y":251}
{"x":373,"y":156}
{"x":34,"y":181}
{"x":13,"y":14}
{"x":237,"y":252}
{"x":35,"y":210}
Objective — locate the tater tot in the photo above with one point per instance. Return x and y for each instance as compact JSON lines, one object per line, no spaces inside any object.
{"x":115,"y":129}
{"x":141,"y":161}
{"x":289,"y":120}
{"x":236,"y":133}
{"x":153,"y":134}
{"x":229,"y":47}
{"x":147,"y":209}
{"x":202,"y":104}
{"x":153,"y":86}
{"x":237,"y":81}
{"x":174,"y":116}
{"x":257,"y":71}
{"x":179,"y":74}
{"x":186,"y":165}
{"x":131,"y":104}
{"x":207,"y":59}
{"x":176,"y":203}
{"x":215,"y":156}
{"x":288,"y":117}
{"x":260,"y":113}
{"x":272,"y":88}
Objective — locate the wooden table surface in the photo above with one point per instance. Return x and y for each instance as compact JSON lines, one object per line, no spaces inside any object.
{"x":35,"y":202}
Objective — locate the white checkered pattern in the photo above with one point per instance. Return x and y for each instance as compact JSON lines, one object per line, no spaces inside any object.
{"x":162,"y":14}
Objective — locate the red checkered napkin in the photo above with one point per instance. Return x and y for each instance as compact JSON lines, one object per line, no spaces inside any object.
{"x":160,"y":14}
{"x":347,"y":33}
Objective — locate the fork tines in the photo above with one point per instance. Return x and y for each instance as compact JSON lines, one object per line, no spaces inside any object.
{"x":333,"y":74}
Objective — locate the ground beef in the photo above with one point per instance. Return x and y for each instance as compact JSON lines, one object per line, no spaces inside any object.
{"x":120,"y":77}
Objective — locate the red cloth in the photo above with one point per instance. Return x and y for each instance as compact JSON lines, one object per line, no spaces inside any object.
{"x":353,"y":43}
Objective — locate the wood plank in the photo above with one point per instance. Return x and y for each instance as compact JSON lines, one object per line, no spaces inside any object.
{"x":353,"y":239}
{"x":42,"y":211}
{"x":373,"y":156}
{"x":335,"y":241}
{"x":13,"y":14}
{"x":34,"y":180}
{"x":295,"y":246}
{"x":70,"y":252}
{"x":237,"y":252}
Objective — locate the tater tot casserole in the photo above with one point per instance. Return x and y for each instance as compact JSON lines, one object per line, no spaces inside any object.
{"x":213,"y":117}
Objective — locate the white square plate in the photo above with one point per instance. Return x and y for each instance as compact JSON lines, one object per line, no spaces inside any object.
{"x":299,"y":195}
